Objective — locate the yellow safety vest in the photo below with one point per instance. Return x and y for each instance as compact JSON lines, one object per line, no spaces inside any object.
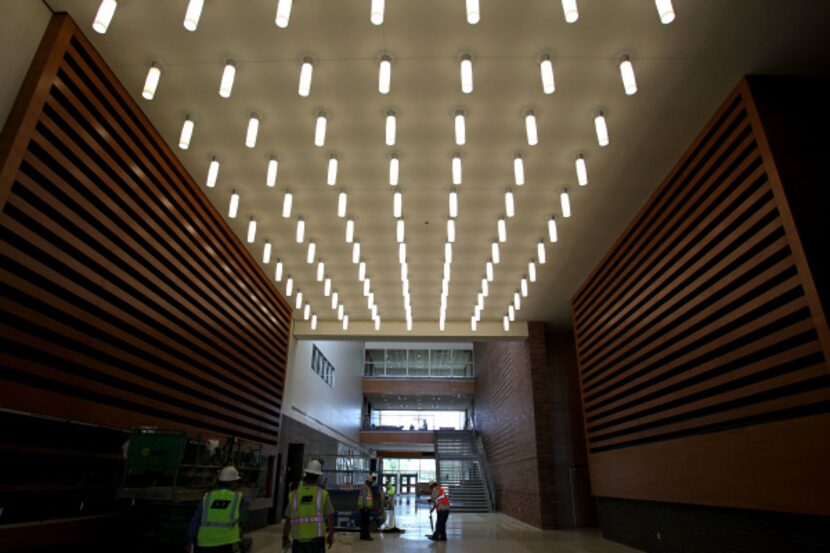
{"x":308,"y":512}
{"x":220,"y":518}
{"x":365,"y":499}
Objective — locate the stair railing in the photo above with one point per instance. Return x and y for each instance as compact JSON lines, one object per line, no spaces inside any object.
{"x":485,"y":471}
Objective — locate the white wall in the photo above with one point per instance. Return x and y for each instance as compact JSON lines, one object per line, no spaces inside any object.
{"x":22,"y":23}
{"x":337,"y":408}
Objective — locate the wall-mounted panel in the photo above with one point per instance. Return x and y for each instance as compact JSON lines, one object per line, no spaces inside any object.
{"x":127,"y":300}
{"x":701,"y":339}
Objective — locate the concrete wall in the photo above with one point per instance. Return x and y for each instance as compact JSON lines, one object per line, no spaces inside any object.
{"x":22,"y":23}
{"x":334,"y":411}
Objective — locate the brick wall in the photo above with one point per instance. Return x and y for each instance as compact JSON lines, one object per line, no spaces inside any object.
{"x":525,"y":420}
{"x":676,"y":528}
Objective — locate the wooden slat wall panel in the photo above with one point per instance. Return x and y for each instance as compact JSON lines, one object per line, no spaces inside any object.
{"x":701,"y":320}
{"x":126,"y":298}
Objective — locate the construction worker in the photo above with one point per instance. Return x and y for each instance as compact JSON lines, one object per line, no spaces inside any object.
{"x":214,"y":527}
{"x":441,"y":503}
{"x":390,"y":496}
{"x":365,"y":502}
{"x":310,"y":515}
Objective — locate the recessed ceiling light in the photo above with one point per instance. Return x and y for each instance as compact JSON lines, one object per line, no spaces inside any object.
{"x":665,"y":10}
{"x":485,"y":287}
{"x":233,"y":208}
{"x":540,"y":252}
{"x":300,"y":233}
{"x":228,"y":76}
{"x":266,"y":252}
{"x":367,"y":287}
{"x":531,"y":270}
{"x":523,"y":285}
{"x":350,"y":231}
{"x":530,"y":128}
{"x":450,"y":230}
{"x":518,"y":170}
{"x":376,"y":14}
{"x":466,"y":74}
{"x":391,"y":127}
{"x":456,"y":168}
{"x":331,"y":174}
{"x":397,"y":204}
{"x":320,"y":130}
{"x":151,"y":83}
{"x":546,"y":71}
{"x":453,"y":204}
{"x":565,"y":200}
{"x":253,"y":131}
{"x":321,"y":271}
{"x":278,"y":271}
{"x":552,"y":234}
{"x":571,"y":13}
{"x":306,"y":72}
{"x":447,"y":252}
{"x":314,"y":322}
{"x":299,"y":298}
{"x":511,"y":313}
{"x":271,"y":172}
{"x":311,"y":253}
{"x":489,"y":271}
{"x":506,"y":323}
{"x":402,"y":252}
{"x":289,"y":286}
{"x":385,"y":74}
{"x":400,"y":231}
{"x":213,"y":172}
{"x":517,"y":300}
{"x":581,"y":170}
{"x":627,"y":74}
{"x":342,"y":203}
{"x":494,"y":252}
{"x":103,"y":17}
{"x":394,"y":169}
{"x":356,"y":252}
{"x":327,"y":287}
{"x":335,"y":297}
{"x":340,"y":312}
{"x":460,"y":128}
{"x":345,"y":322}
{"x":283,"y":13}
{"x":361,"y":271}
{"x":287,"y":203}
{"x":602,"y":129}
{"x":473,"y":12}
{"x":187,"y":133}
{"x":509,"y":203}
{"x":502,"y":230}
{"x":473,"y":323}
{"x":307,"y":312}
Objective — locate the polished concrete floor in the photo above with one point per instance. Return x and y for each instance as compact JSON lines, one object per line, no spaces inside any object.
{"x":475,"y":533}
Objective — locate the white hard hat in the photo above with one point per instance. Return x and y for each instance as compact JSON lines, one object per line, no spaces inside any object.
{"x":314,"y":467}
{"x":229,"y":474}
{"x":433,"y":483}
{"x":373,"y":476}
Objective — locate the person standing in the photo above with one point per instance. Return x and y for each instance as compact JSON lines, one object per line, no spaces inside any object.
{"x":310,"y":514}
{"x":390,"y":498}
{"x":214,"y":527}
{"x":365,"y":502}
{"x":441,"y":503}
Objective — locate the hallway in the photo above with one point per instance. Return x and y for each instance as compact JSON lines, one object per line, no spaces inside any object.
{"x":467,"y":532}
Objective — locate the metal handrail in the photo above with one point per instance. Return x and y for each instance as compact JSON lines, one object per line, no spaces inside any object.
{"x":485,"y":471}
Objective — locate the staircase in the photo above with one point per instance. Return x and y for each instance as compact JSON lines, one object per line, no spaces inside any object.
{"x":460,"y":468}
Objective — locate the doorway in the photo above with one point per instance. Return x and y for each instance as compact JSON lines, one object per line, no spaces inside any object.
{"x":408,"y":483}
{"x":293,"y":468}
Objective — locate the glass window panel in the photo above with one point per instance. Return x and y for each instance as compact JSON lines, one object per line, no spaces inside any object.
{"x":439,"y":361}
{"x":396,"y":362}
{"x":418,"y":362}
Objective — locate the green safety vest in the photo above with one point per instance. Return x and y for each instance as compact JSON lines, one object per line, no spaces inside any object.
{"x":220,"y":518}
{"x":308,"y":518}
{"x":390,"y":491}
{"x":365,"y":499}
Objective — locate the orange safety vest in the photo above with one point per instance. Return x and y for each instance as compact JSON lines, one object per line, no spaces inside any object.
{"x":442,"y":496}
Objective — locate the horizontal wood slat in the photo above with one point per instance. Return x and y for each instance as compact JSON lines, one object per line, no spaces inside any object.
{"x":702,"y":318}
{"x":127,"y":300}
